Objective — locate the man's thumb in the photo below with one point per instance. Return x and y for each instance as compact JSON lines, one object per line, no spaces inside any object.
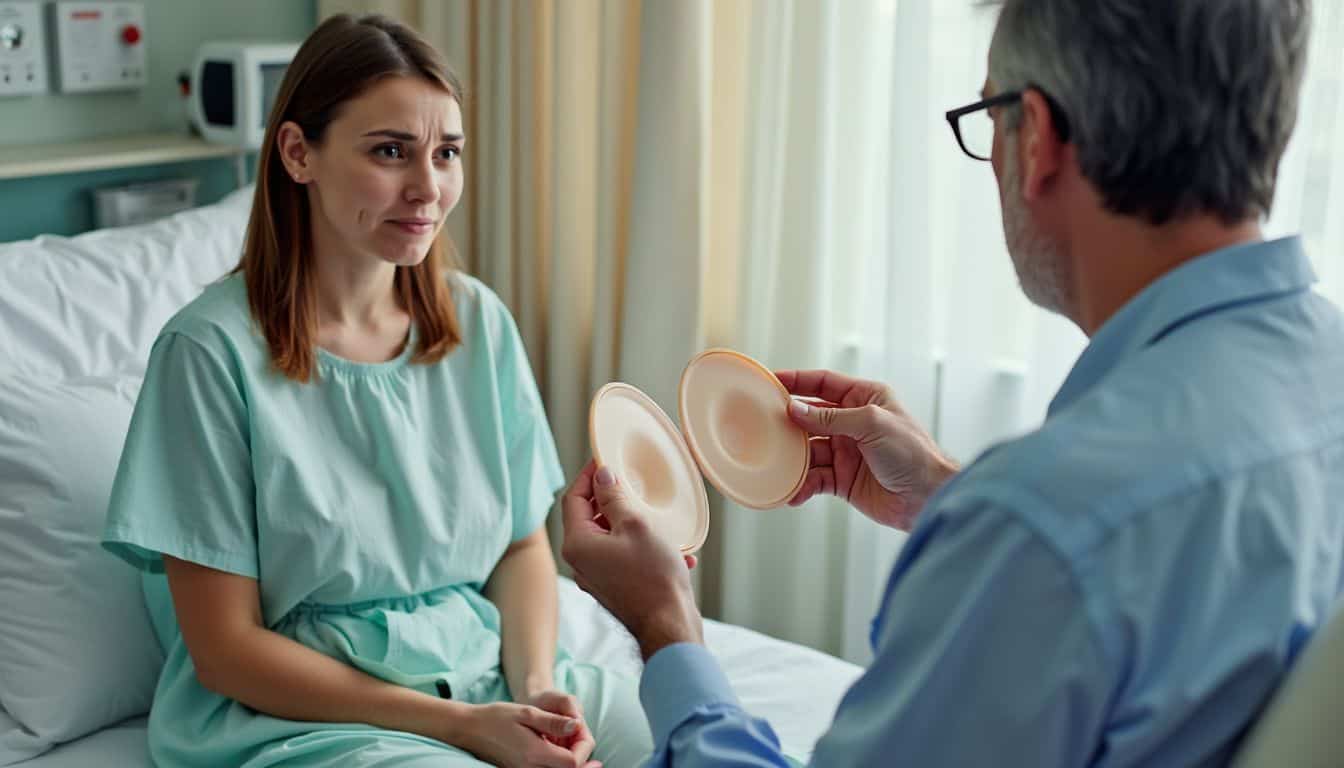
{"x":609,"y":492}
{"x":820,"y":420}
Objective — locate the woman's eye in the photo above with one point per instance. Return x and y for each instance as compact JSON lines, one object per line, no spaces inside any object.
{"x":389,"y":151}
{"x":450,"y":153}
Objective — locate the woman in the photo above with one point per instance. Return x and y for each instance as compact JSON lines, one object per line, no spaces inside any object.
{"x":340,"y":460}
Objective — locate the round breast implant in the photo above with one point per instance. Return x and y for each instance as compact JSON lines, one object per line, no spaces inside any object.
{"x":636,"y":439}
{"x":735,"y":414}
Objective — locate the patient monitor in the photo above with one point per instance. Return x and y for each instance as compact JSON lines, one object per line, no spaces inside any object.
{"x":233,"y":87}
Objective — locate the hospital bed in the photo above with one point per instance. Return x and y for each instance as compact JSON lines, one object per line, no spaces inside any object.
{"x":78,"y":659}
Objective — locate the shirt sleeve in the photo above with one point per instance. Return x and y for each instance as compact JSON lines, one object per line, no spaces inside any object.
{"x":184,"y":486}
{"x":696,"y":718}
{"x":986,"y":656}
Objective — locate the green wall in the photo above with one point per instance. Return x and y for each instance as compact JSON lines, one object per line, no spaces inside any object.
{"x":174,"y":29}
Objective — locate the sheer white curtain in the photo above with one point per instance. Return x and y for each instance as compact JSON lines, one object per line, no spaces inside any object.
{"x":1310,"y":198}
{"x":871,"y":244}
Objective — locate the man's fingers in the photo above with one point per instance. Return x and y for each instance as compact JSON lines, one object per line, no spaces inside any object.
{"x":820,"y":480}
{"x":579,"y":513}
{"x":613,"y":498}
{"x":857,"y":423}
{"x":827,"y":385}
{"x":581,"y":521}
{"x":583,"y":484}
{"x":578,"y":516}
{"x":822,"y":453}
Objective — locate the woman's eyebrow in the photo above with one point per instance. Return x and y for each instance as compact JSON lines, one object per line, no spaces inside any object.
{"x":403,"y":136}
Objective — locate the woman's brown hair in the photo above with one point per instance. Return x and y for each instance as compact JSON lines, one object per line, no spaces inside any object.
{"x":338,"y":62}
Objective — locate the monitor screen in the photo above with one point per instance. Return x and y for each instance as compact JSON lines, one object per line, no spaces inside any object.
{"x":271,"y":75}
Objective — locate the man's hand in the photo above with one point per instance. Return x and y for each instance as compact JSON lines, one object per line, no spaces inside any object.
{"x":865,"y":448}
{"x":618,"y":558}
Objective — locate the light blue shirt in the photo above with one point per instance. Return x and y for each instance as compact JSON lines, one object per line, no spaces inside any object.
{"x":1126,"y":585}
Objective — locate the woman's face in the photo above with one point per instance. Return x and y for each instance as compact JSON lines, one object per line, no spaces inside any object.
{"x":387,"y":173}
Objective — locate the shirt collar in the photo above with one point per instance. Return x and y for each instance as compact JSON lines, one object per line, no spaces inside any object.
{"x":1200,"y":286}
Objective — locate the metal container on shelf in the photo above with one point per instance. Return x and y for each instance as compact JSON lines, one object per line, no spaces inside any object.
{"x":138,"y":203}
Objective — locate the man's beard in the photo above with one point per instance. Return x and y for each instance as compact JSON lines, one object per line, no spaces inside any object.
{"x":1040,"y":263}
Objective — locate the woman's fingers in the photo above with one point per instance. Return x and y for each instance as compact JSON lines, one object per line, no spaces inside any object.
{"x":583,"y":744}
{"x":549,"y":723}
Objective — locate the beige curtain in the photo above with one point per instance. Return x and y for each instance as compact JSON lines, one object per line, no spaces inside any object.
{"x":604,"y":186}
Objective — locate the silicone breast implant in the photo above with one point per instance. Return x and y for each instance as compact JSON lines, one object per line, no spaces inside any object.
{"x":735,"y":415}
{"x":633,"y":436}
{"x":647,"y":470}
{"x":735,"y":426}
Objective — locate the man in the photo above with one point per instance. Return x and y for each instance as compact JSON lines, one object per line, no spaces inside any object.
{"x":1127,"y":585}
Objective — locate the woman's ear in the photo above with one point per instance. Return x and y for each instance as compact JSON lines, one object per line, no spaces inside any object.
{"x":295,"y":152}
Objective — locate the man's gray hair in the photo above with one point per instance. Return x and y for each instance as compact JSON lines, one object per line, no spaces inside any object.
{"x":1176,"y":107}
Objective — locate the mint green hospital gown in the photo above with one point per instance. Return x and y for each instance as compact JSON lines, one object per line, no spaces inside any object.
{"x":371,"y":505}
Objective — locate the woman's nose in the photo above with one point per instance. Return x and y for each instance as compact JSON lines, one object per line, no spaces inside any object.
{"x":421,"y":183}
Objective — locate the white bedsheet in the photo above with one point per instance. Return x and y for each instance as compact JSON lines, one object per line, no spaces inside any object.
{"x":796,"y":688}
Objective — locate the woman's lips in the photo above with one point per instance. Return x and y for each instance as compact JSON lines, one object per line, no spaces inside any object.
{"x":413,"y":226}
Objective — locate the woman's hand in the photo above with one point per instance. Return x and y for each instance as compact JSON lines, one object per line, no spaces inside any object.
{"x":522,"y":736}
{"x":581,"y":743}
{"x":865,"y":448}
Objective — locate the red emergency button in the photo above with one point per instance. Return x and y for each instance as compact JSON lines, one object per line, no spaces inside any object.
{"x":130,"y":34}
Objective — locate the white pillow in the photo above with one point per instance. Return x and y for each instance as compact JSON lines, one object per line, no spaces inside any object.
{"x":92,"y":305}
{"x":77,"y":652}
{"x":16,"y":744}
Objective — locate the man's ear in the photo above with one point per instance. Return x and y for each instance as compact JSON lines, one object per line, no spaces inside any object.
{"x":1042,"y":149}
{"x":295,"y":152}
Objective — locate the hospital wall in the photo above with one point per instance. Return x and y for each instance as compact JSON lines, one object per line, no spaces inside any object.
{"x":62,"y":204}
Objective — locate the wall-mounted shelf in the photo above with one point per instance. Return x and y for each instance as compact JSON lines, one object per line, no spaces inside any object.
{"x":18,"y":162}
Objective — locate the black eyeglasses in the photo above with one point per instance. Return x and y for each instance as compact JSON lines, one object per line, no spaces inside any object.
{"x":976,"y":137}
